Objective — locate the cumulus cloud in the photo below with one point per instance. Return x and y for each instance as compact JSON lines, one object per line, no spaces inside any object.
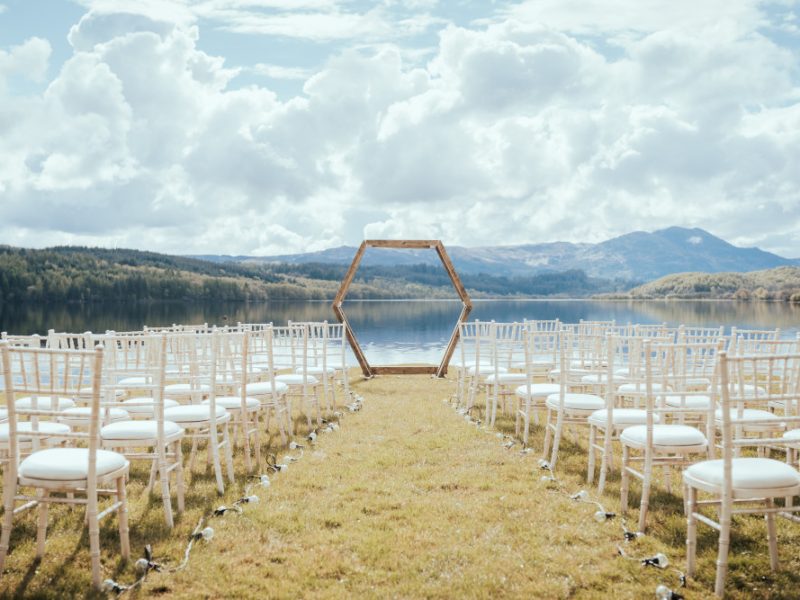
{"x":537,"y":124}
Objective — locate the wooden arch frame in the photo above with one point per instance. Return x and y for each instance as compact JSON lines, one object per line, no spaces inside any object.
{"x":366,"y":368}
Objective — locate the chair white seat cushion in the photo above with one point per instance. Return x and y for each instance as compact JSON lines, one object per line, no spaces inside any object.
{"x":194,"y":413}
{"x":792,"y":434}
{"x":752,"y":414}
{"x":264,"y":388}
{"x":48,"y":427}
{"x":506,"y":377}
{"x":539,"y":365}
{"x":68,"y":464}
{"x":235,"y":402}
{"x":748,"y":390}
{"x":750,"y":473}
{"x":318,"y":370}
{"x":640,"y":388}
{"x":697,"y":402}
{"x":3,"y":414}
{"x":538,"y":390}
{"x":663,"y":435}
{"x":138,"y":430}
{"x":485,"y":369}
{"x":576,"y":402}
{"x":594,"y":378}
{"x":134,"y":381}
{"x":295,"y":379}
{"x":621,"y":417}
{"x":144,"y":405}
{"x":80,"y":415}
{"x":44,"y":403}
{"x":185,"y":389}
{"x":555,"y":374}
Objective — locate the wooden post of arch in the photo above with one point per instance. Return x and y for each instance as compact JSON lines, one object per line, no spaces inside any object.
{"x":366,"y":368}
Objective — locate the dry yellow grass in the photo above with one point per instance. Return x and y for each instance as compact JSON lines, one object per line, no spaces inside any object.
{"x":407,"y":500}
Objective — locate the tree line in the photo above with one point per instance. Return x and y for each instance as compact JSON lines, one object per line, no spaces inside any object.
{"x":81,"y":275}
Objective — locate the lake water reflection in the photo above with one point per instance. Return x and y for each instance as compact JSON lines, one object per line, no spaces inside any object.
{"x":393,"y":332}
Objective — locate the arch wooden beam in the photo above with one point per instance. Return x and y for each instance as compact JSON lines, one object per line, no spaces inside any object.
{"x":366,"y":368}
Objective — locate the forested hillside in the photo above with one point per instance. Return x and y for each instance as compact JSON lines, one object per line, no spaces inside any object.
{"x":75,"y":274}
{"x":779,"y":284}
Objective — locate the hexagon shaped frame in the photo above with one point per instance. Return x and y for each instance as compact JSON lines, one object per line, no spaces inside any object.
{"x":366,"y":368}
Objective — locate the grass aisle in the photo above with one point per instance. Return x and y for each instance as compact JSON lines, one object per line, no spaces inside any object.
{"x":408,"y":500}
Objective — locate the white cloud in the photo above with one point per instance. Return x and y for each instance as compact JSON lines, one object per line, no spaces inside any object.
{"x":29,"y":59}
{"x":510,"y":132}
{"x":281,"y":72}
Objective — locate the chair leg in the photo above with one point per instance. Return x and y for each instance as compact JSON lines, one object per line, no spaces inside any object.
{"x":213,"y":441}
{"x":624,"y":479}
{"x":41,"y":532}
{"x":605,"y":458}
{"x":772,"y":536}
{"x":245,"y":419}
{"x":548,"y":435}
{"x":691,"y":529}
{"x":592,"y":453}
{"x":557,"y":439}
{"x":122,"y":515}
{"x":94,"y":539}
{"x":151,"y":482}
{"x":228,"y":453}
{"x":724,"y":546}
{"x":163,"y":476}
{"x":644,"y":504}
{"x":317,"y":406}
{"x":257,"y":438}
{"x":179,"y":482}
{"x":9,"y":491}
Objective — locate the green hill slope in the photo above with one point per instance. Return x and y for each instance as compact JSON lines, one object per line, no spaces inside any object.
{"x":782,"y":283}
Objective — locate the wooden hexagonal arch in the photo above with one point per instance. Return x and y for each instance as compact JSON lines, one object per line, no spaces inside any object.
{"x":370,"y":370}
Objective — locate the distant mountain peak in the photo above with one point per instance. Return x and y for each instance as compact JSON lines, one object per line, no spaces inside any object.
{"x":637,"y":255}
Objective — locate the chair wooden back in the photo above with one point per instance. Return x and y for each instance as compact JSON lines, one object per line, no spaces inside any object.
{"x":45,"y":373}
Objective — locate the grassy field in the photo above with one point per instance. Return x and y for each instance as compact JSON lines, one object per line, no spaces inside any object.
{"x":406,"y":500}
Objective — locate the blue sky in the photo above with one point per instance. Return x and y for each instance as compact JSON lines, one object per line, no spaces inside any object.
{"x":275,"y":126}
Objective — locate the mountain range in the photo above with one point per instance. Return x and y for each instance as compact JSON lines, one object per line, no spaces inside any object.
{"x":637,"y":256}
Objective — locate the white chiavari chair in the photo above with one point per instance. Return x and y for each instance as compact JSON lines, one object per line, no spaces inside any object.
{"x":659,"y":443}
{"x":540,"y":357}
{"x":687,"y":334}
{"x":83,"y":474}
{"x":338,"y":344}
{"x":508,"y":354}
{"x":235,"y":372}
{"x":736,"y":485}
{"x":291,"y":355}
{"x":741,"y":340}
{"x":566,"y":408}
{"x":137,"y":366}
{"x":204,"y":422}
{"x":317,"y":350}
{"x":24,"y":341}
{"x":271,"y":394}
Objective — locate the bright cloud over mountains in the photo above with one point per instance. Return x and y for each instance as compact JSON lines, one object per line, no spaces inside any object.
{"x":275,"y":126}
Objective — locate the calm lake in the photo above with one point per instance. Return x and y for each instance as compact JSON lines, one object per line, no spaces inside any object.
{"x":394,"y":332}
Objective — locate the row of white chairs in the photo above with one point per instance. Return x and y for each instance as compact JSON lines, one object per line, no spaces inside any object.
{"x":720,"y":407}
{"x":119,"y":397}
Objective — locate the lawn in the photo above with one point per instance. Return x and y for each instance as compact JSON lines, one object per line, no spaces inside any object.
{"x":406,"y":500}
